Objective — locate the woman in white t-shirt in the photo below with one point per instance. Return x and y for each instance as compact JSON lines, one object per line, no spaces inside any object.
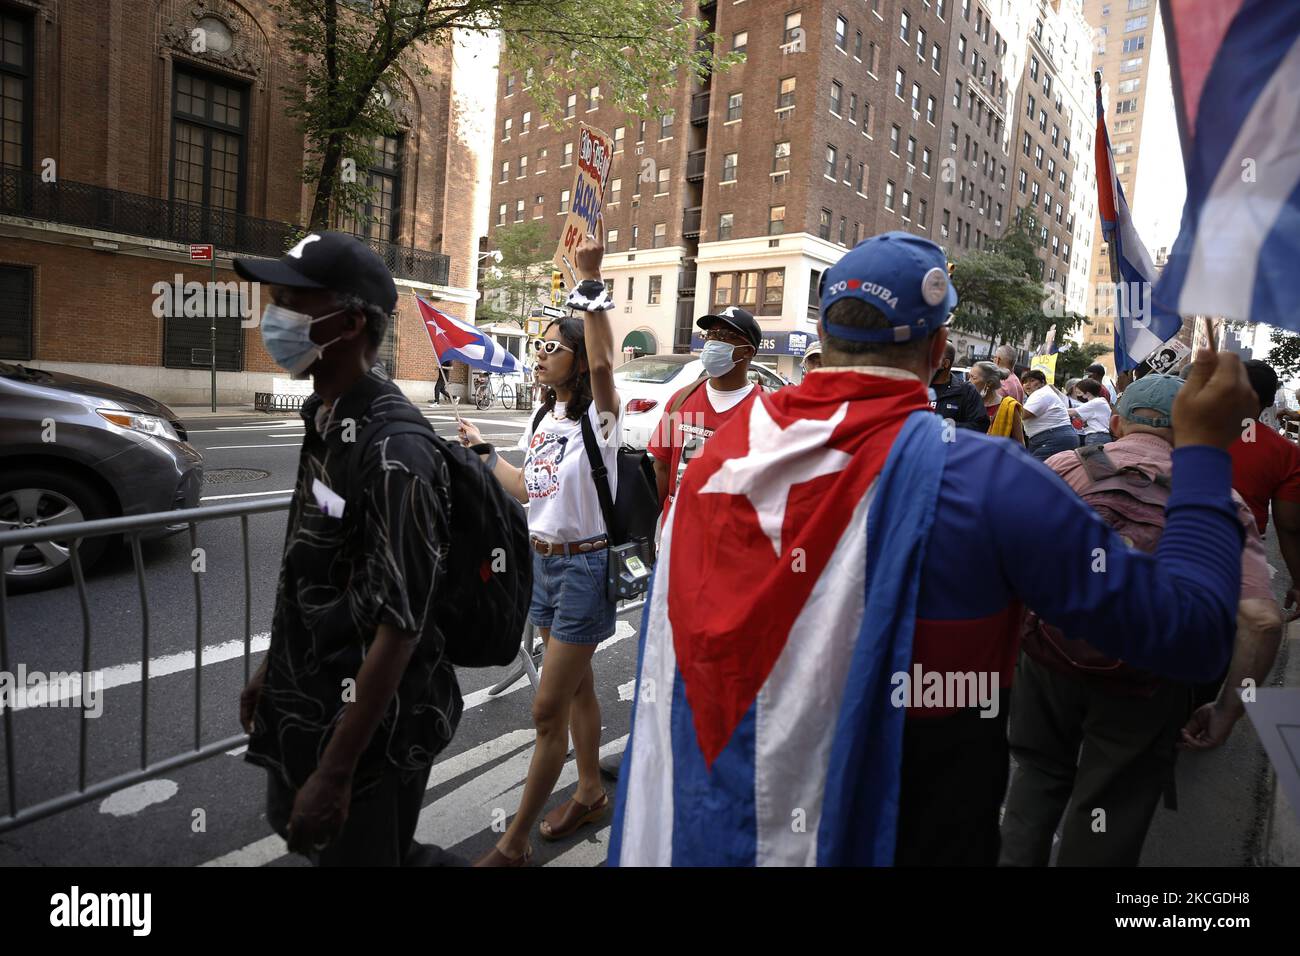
{"x":574,"y":359}
{"x":1095,"y":412}
{"x":1047,"y":419}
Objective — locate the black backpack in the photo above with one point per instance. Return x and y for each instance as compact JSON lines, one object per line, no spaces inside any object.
{"x":634,"y":514}
{"x":489,"y":579}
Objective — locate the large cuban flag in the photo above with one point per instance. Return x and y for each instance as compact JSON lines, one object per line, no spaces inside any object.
{"x":783,"y":601}
{"x":1236,"y":70}
{"x":455,"y":340}
{"x":1140,"y":327}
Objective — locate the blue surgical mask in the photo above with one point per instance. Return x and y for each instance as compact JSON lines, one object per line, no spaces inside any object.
{"x":717,"y":358}
{"x":287,"y":337}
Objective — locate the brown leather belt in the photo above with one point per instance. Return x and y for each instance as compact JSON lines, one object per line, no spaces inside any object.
{"x":549,"y":549}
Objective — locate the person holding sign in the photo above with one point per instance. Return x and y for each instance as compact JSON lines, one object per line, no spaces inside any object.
{"x":574,"y":359}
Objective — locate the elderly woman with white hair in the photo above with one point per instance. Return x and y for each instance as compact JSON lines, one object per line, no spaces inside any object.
{"x":1004,"y":411}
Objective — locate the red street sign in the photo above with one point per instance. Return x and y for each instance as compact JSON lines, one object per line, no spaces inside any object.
{"x":201,"y":253}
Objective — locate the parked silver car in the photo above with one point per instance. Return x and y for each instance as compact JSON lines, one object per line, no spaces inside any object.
{"x":73,"y":449}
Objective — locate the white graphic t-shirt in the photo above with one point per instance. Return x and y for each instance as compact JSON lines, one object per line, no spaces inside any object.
{"x":562,"y":502}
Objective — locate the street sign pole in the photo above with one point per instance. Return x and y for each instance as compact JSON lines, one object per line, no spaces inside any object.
{"x":212,"y":297}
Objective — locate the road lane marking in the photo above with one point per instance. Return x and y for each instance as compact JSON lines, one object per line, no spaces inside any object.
{"x":132,"y":673}
{"x":247,"y":494}
{"x":288,"y":444}
{"x":131,"y":800}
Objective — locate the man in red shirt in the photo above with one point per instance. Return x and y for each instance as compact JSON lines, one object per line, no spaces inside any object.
{"x":731,"y":340}
{"x":1266,"y":470}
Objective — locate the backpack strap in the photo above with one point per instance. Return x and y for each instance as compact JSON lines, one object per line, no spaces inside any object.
{"x":686,"y":393}
{"x":1096,"y":462}
{"x":1149,"y":486}
{"x":371,"y":435}
{"x":599,"y":475}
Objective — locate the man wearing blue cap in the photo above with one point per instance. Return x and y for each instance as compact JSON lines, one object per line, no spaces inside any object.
{"x":829,"y":641}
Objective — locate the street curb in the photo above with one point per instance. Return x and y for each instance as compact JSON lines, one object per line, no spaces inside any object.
{"x":187,"y":413}
{"x":1282,"y":828}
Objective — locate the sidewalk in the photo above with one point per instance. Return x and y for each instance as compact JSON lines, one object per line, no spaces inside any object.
{"x":1282,"y":825}
{"x":188,"y":413}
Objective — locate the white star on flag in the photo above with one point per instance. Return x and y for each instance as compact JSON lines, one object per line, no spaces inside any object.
{"x":778,"y":459}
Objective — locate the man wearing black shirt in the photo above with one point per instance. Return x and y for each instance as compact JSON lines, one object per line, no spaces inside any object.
{"x":354,"y":698}
{"x":957,"y":400}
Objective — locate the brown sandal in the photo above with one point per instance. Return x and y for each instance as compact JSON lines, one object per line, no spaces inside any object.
{"x":495,"y":857}
{"x":571,"y":815}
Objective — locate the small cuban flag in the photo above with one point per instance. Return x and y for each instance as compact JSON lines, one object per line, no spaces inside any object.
{"x":455,"y":340}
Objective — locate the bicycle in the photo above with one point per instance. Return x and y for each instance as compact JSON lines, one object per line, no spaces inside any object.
{"x":483,"y":393}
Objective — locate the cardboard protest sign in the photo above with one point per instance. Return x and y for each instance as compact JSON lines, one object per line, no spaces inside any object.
{"x":1047,"y":363}
{"x":595,"y":159}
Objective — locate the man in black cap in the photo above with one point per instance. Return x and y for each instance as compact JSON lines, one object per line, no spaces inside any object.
{"x":354,"y":698}
{"x":955,"y":399}
{"x":731,"y":341}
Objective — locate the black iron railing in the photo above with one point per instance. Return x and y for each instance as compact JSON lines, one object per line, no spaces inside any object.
{"x":700,"y":108}
{"x":691,"y":222}
{"x":69,"y":203}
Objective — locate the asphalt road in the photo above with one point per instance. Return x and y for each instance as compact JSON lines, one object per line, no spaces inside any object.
{"x":212,"y":812}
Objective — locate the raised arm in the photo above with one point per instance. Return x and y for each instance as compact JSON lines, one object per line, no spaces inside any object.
{"x":599,"y":334}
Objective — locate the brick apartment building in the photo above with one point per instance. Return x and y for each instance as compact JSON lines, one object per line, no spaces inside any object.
{"x":846,"y":119}
{"x":120,"y":145}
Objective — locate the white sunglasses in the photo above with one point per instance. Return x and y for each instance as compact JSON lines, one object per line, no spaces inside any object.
{"x":549,"y":346}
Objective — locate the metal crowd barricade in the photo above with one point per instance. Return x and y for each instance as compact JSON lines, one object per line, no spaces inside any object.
{"x":131,"y":528}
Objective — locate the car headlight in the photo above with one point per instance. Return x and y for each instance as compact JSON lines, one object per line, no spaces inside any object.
{"x":153,"y":425}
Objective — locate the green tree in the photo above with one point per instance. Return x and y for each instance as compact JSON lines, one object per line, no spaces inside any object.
{"x":1073,"y":360}
{"x":1001,"y":294}
{"x":522,"y":274}
{"x":348,"y":56}
{"x":1284,"y":355}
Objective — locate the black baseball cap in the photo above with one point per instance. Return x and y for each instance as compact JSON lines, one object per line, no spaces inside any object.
{"x":740,"y":320}
{"x":327,"y":260}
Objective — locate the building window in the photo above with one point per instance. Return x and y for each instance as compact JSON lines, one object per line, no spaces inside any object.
{"x":525,"y":122}
{"x":564,"y":201}
{"x":611,"y":240}
{"x":207,"y":141}
{"x":925,"y":161}
{"x":837,"y":97}
{"x":853,"y":107}
{"x":523,"y":166}
{"x":873,"y":58}
{"x":661,"y":183}
{"x":510,"y":85}
{"x":656,"y":286}
{"x":729,"y":163}
{"x":936,"y":58}
{"x":734,"y":103}
{"x":781,"y":157}
{"x":1022,"y":180}
{"x":894,"y":136}
{"x":568,"y":155}
{"x":571,"y":106}
{"x":929,"y":110}
{"x":911,"y":150}
{"x":740,"y":42}
{"x":889,"y":194}
{"x":1135,"y":23}
{"x":900,"y":82}
{"x":857,"y":45}
{"x":785,"y":93}
{"x":1126,"y":106}
{"x":860,"y":183}
{"x":824,"y":225}
{"x":1131,"y":66}
{"x":921,"y":212}
{"x":505,"y":171}
{"x":1134,"y":44}
{"x":593,"y":98}
{"x":956,"y":95}
{"x":792,"y":22}
{"x":905,"y":27}
{"x":832,"y":161}
{"x":759,"y":292}
{"x":841,"y":34}
{"x":776,"y":220}
{"x":519,"y":210}
{"x":666,"y":125}
{"x":725,"y":222}
{"x":615,"y":190}
{"x":920,"y":44}
{"x":907,"y":204}
{"x":539,"y":206}
{"x":16,"y":298}
{"x":619,"y":133}
{"x":15,"y":90}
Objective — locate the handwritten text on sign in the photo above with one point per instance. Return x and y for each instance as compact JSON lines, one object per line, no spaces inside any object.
{"x":595,"y":158}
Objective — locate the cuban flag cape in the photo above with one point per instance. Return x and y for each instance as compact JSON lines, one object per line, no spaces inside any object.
{"x":783,"y":601}
{"x":453,"y":339}
{"x":1236,"y":69}
{"x":1140,"y":326}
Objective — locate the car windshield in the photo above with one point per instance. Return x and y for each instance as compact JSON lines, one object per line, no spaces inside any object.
{"x":22,"y":373}
{"x":649,"y":369}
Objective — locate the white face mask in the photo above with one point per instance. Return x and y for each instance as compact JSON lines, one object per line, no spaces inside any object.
{"x":287,"y":337}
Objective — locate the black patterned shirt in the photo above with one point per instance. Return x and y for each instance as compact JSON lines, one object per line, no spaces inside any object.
{"x":382,"y":562}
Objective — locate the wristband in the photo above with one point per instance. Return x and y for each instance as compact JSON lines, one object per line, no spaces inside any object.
{"x":486,"y":448}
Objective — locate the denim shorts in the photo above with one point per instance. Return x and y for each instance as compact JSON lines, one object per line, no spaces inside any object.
{"x":569,"y":597}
